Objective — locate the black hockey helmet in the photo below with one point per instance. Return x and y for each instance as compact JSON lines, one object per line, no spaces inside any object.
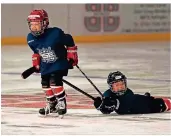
{"x":114,"y":77}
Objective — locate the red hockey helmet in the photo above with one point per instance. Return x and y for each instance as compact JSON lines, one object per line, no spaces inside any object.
{"x":38,"y":16}
{"x":46,"y":18}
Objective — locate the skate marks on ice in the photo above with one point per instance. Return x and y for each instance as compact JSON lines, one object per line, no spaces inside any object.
{"x":93,"y":113}
{"x":82,"y":121}
{"x":93,"y":77}
{"x":147,"y":66}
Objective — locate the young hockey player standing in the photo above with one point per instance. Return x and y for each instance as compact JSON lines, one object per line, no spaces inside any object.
{"x":52,"y":52}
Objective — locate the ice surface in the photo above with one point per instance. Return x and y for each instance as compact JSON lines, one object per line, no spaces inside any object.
{"x":147,"y":66}
{"x":82,"y":121}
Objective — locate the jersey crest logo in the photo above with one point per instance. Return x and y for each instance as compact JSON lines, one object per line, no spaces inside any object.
{"x":48,"y":55}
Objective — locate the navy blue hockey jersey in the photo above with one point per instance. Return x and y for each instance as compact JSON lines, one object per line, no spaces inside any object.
{"x":51,"y":46}
{"x":131,"y":103}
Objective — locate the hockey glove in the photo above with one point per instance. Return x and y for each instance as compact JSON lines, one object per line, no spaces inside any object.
{"x":36,"y":61}
{"x":98,"y":103}
{"x":106,"y":105}
{"x":72,"y":55}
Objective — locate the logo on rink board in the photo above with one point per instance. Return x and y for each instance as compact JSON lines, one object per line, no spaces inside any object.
{"x":48,"y":55}
{"x":101,"y":17}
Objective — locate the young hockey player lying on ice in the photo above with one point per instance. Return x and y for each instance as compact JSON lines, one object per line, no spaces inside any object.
{"x":122,"y":100}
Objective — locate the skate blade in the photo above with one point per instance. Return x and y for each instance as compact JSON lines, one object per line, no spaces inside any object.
{"x":61,"y":116}
{"x":52,"y":115}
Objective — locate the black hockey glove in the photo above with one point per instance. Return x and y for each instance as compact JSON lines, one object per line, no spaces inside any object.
{"x":98,"y":103}
{"x":106,"y":105}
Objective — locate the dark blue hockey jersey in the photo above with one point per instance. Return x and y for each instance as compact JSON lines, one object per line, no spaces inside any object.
{"x":51,"y":46}
{"x":131,"y":103}
{"x":124,"y":100}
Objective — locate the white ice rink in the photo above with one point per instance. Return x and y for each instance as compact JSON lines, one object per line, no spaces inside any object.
{"x":147,"y":66}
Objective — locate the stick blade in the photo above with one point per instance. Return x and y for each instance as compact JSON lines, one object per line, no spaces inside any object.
{"x":28,"y":72}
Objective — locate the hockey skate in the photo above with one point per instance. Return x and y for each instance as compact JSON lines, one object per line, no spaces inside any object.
{"x":61,"y":107}
{"x":50,"y":108}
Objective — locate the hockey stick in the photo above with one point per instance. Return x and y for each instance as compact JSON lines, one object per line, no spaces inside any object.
{"x":78,"y":89}
{"x":28,"y":72}
{"x":90,"y":81}
{"x":31,"y":70}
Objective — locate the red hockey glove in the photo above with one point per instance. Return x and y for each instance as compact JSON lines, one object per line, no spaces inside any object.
{"x":36,"y":61}
{"x":72,"y":55}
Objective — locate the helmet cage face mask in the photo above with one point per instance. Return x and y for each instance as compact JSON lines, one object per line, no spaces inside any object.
{"x":36,"y":16}
{"x":114,"y":78}
{"x":36,"y":33}
{"x":118,"y":92}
